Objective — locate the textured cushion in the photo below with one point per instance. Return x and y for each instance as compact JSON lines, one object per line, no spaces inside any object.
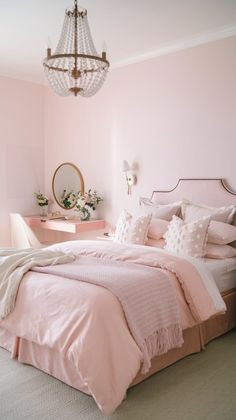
{"x":131,"y":230}
{"x":157,"y":228}
{"x":187,"y":238}
{"x":219,"y":251}
{"x":191,"y":212}
{"x":123,"y":227}
{"x":139,"y":228}
{"x":160,"y":211}
{"x":221,"y":233}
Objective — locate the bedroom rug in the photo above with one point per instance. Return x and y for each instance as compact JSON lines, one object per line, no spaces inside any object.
{"x":200,"y":387}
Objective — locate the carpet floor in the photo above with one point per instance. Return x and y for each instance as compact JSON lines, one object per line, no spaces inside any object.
{"x":199,"y":387}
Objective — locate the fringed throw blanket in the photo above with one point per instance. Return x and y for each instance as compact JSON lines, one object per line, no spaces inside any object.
{"x":146,"y":296}
{"x":14,"y":264}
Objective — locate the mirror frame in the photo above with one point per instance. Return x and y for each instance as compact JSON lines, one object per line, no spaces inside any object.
{"x":53,"y":182}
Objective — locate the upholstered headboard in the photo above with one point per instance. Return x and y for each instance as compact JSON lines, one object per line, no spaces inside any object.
{"x":209,"y":191}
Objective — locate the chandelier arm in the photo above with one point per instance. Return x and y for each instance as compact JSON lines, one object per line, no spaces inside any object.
{"x":55,"y":68}
{"x":67,"y":70}
{"x":92,"y":57}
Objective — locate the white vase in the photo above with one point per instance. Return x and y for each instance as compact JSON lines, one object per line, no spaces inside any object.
{"x":43,"y":211}
{"x":85,"y":214}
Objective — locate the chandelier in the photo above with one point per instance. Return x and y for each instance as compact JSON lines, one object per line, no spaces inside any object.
{"x":75,"y":68}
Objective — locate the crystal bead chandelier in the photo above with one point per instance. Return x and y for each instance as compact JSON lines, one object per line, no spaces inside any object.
{"x":75,"y":68}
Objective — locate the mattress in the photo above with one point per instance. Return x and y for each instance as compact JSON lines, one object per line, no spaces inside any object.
{"x":224,"y":272}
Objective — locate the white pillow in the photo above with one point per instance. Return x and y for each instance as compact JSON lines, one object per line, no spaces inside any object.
{"x":130,"y":230}
{"x":123,"y":227}
{"x":187,"y":238}
{"x":160,"y":211}
{"x":191,"y":212}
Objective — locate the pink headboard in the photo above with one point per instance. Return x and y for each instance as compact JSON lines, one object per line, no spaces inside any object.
{"x":212,"y":192}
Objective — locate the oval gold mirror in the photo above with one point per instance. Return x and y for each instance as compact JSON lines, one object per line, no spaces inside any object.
{"x":67,"y":182}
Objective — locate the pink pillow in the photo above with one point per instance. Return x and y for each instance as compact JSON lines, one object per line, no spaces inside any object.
{"x":191,"y":212}
{"x":160,"y":243}
{"x":158,"y":228}
{"x":219,"y":251}
{"x":160,"y":211}
{"x":187,"y":238}
{"x":221,"y":233}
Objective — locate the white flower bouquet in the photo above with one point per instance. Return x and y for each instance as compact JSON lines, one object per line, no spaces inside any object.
{"x":42,"y":200}
{"x":85,"y":202}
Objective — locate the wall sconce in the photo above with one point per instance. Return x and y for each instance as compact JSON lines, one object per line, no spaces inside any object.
{"x":130,"y":177}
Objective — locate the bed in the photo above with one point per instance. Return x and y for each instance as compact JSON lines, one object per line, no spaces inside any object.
{"x":48,"y":332}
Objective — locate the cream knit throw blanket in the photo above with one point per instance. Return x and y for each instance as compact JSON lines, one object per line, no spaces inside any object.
{"x":145,"y":294}
{"x":14,"y":264}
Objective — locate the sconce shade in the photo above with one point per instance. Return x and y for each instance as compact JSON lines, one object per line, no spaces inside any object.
{"x":126,"y":166}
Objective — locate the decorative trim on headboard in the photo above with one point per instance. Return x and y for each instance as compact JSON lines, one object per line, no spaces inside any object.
{"x":222,"y":181}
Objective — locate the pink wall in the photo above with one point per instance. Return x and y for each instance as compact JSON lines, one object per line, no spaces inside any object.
{"x":21,"y":149}
{"x":79,"y":130}
{"x":174,"y":116}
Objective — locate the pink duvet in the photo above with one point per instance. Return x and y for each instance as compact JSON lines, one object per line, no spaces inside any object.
{"x":85,"y":323}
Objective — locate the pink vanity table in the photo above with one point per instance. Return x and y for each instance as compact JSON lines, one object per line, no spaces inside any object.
{"x":65,"y":229}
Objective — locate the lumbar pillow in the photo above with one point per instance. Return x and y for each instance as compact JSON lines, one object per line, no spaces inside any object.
{"x":130,"y":230}
{"x":221,"y":233}
{"x":187,"y":238}
{"x":160,"y":211}
{"x":191,"y":212}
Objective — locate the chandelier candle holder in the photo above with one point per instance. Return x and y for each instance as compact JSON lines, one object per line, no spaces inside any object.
{"x":75,"y":68}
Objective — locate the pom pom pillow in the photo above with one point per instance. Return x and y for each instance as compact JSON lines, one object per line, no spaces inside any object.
{"x":187,"y":238}
{"x":130,"y":230}
{"x":123,"y":227}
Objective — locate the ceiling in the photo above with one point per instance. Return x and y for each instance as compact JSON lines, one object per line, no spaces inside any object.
{"x":131,"y":29}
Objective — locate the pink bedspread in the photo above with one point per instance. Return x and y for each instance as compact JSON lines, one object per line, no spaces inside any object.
{"x":146,"y":295}
{"x":86,"y":325}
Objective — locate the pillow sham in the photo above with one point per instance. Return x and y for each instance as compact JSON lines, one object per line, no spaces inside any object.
{"x":221,"y":233}
{"x":157,"y":228}
{"x":187,"y":238}
{"x":130,"y":230}
{"x":160,"y":211}
{"x":219,"y":251}
{"x":191,"y":212}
